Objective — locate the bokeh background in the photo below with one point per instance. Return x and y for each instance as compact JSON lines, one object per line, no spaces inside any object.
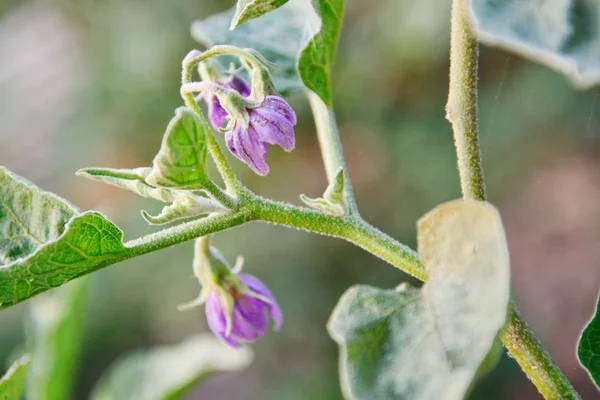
{"x":94,"y":83}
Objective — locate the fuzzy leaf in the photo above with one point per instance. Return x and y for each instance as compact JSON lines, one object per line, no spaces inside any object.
{"x":181,"y":161}
{"x":278,"y":35}
{"x":28,"y":217}
{"x":13,"y":382}
{"x":39,"y":249}
{"x":429,"y":343}
{"x":588,"y":349}
{"x":316,"y":59}
{"x":166,"y":373}
{"x":55,"y":330}
{"x":561,"y":34}
{"x":249,"y":9}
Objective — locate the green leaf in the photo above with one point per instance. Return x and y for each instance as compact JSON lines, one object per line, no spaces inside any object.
{"x":166,"y":373}
{"x":55,"y":331}
{"x":278,"y":35}
{"x":28,"y":217}
{"x":13,"y":382}
{"x":299,"y":39}
{"x":429,"y":343}
{"x":181,"y":161}
{"x":249,"y":9}
{"x":561,"y":34}
{"x":588,"y":349}
{"x":316,"y":59}
{"x":39,"y":249}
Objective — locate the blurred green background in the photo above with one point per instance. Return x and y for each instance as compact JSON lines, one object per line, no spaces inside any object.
{"x":93,"y":83}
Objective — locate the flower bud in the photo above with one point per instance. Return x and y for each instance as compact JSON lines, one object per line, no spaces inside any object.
{"x":238,"y":306}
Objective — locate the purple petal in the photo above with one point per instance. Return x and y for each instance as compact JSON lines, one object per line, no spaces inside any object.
{"x":278,"y":104}
{"x":272,"y":127}
{"x":256,"y":286}
{"x":254,"y":311}
{"x":238,"y":84}
{"x":216,"y":320}
{"x":216,"y":113}
{"x":230,"y":143}
{"x":244,"y":144}
{"x":242,"y":328}
{"x":276,"y":315}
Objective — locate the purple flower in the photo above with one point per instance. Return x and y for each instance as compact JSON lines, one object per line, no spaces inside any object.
{"x":272,"y":122}
{"x":253,"y":305}
{"x":216,"y":112}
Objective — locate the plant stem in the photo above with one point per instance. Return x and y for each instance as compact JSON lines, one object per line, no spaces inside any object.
{"x":184,"y":232}
{"x":535,"y":361}
{"x":350,"y":228}
{"x":331,"y":147}
{"x":461,"y":109}
{"x":218,"y":194}
{"x":462,"y":113}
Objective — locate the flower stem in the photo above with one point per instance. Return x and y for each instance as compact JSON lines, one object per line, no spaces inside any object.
{"x":462,"y":113}
{"x":331,"y":147}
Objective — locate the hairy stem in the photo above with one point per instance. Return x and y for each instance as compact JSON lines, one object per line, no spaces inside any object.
{"x":331,"y":147}
{"x":462,"y":113}
{"x":350,"y":228}
{"x":461,"y":109}
{"x":184,"y":232}
{"x":218,"y":194}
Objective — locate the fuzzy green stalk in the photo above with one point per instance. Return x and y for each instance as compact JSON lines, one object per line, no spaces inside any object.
{"x":461,"y":111}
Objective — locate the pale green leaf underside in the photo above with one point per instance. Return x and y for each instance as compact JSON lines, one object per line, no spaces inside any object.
{"x":55,"y":331}
{"x":166,"y":373}
{"x":429,"y":343}
{"x":561,"y":34}
{"x":316,"y":59}
{"x":43,"y":250}
{"x":588,"y":349}
{"x":181,"y":161}
{"x":13,"y":382}
{"x":28,"y":217}
{"x":249,"y":9}
{"x":278,"y":35}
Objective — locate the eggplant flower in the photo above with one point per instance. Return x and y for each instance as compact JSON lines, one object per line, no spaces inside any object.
{"x":272,"y":122}
{"x":240,"y":313}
